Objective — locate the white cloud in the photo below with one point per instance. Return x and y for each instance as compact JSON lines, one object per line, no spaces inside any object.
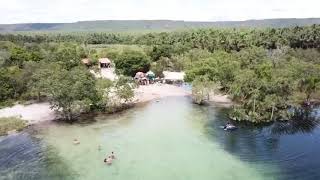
{"x":18,"y":11}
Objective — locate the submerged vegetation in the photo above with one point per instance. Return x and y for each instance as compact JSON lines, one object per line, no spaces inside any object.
{"x":269,"y":73}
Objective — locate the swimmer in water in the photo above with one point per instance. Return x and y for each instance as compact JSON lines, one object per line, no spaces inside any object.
{"x":75,"y":142}
{"x":112,"y":155}
{"x":108,"y":160}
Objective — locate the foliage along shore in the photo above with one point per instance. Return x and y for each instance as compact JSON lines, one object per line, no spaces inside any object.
{"x":270,"y":73}
{"x":11,"y":124}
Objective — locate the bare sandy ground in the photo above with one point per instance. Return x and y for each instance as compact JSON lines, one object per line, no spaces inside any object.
{"x":220,"y":98}
{"x":108,"y":73}
{"x":157,"y":91}
{"x":33,"y":113}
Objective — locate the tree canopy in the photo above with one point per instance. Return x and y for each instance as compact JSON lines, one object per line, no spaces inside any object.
{"x":129,"y":62}
{"x":268,"y":72}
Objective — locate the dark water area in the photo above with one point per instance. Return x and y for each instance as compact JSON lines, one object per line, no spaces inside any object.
{"x":171,"y":139}
{"x":294,"y":146}
{"x":24,"y":156}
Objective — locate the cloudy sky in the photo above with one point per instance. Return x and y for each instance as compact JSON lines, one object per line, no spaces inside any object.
{"x":25,"y":11}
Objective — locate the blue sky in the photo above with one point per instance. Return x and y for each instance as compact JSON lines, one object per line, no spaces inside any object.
{"x":25,"y":11}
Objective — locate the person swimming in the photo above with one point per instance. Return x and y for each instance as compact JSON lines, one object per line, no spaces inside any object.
{"x":112,"y":155}
{"x":229,"y":126}
{"x":108,"y":160}
{"x":75,"y":142}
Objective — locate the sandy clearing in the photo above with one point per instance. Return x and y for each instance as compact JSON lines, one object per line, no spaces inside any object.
{"x":33,"y":113}
{"x":157,"y":91}
{"x":220,"y":98}
{"x":108,"y":73}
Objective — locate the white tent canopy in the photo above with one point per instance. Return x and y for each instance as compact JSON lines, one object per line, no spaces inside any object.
{"x":173,"y":76}
{"x":150,"y":73}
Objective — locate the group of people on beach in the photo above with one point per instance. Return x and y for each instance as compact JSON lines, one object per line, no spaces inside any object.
{"x":109,"y":159}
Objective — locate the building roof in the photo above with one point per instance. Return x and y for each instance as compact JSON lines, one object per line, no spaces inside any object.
{"x":104,"y":60}
{"x":150,"y":74}
{"x":139,"y":75}
{"x":174,"y":76}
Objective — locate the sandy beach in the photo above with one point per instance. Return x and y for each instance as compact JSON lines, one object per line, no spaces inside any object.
{"x":157,"y":91}
{"x":39,"y":112}
{"x":33,"y":113}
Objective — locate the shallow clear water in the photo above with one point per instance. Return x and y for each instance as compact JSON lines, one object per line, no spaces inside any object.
{"x":170,"y":139}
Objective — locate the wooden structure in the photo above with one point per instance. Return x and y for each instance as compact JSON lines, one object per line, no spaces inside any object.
{"x":104,"y":63}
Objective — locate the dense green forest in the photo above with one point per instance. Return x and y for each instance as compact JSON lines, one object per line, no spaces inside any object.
{"x":152,"y":25}
{"x":270,"y":73}
{"x":211,"y":39}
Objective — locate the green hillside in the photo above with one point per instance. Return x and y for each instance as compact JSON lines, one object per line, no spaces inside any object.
{"x":151,"y":25}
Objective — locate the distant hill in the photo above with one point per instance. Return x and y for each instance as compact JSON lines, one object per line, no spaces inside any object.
{"x":151,"y":25}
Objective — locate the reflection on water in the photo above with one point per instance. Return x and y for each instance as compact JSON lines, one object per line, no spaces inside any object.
{"x":292,"y":145}
{"x":170,"y":139}
{"x":305,"y":121}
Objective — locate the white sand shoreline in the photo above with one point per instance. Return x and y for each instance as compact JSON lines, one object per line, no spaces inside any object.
{"x":40,"y":112}
{"x":157,"y":91}
{"x":33,"y":113}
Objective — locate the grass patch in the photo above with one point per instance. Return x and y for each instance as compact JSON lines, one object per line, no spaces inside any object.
{"x":11,"y":123}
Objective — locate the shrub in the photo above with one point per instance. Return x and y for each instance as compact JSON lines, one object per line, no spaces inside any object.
{"x":11,"y":123}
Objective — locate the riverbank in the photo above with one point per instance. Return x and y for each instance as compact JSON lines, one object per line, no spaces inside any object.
{"x":33,"y":113}
{"x":221,"y":99}
{"x":39,"y":112}
{"x":157,"y":91}
{"x":11,"y":125}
